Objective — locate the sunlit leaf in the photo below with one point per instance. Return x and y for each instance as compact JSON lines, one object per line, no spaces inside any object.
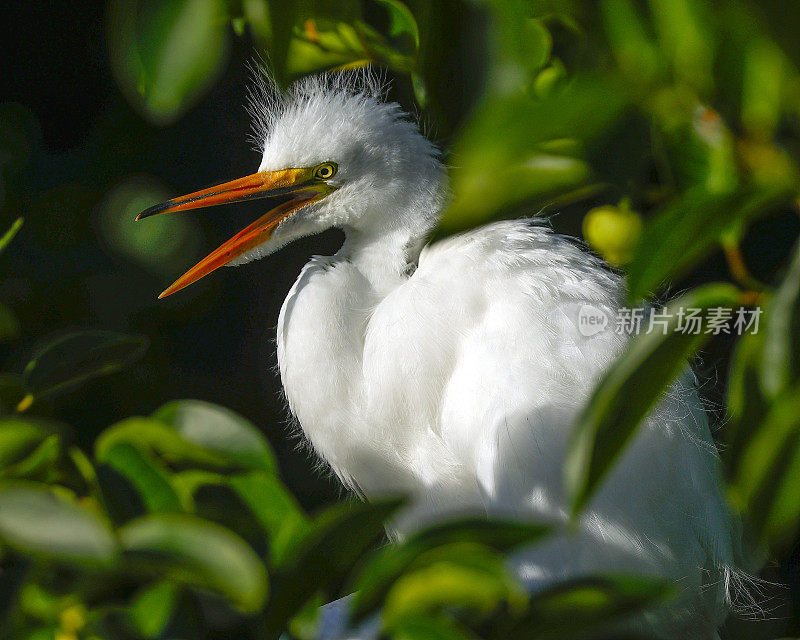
{"x":66,"y":362}
{"x":632,"y":46}
{"x":152,"y":608}
{"x":197,"y":552}
{"x":686,"y":37}
{"x":401,"y":21}
{"x":166,"y":55}
{"x":456,"y":575}
{"x":40,"y":464}
{"x":275,"y":508}
{"x":632,"y":386}
{"x":35,"y":520}
{"x":144,"y":473}
{"x":150,"y":434}
{"x":762,"y":88}
{"x":386,"y":566}
{"x":583,"y":607}
{"x":220,"y":430}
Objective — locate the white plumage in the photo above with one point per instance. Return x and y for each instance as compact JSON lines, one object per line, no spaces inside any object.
{"x":453,"y":372}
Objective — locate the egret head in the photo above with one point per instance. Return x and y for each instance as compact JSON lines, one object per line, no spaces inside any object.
{"x":337,"y":156}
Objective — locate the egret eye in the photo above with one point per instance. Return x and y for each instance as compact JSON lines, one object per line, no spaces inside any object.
{"x":325,"y":170}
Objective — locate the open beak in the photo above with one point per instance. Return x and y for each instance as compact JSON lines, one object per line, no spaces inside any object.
{"x":299,"y":183}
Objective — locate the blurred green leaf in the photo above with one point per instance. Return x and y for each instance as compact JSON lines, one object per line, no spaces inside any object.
{"x":275,"y":508}
{"x":493,"y":171}
{"x":386,"y":566}
{"x":764,"y":77}
{"x":767,"y":481}
{"x":688,"y":229}
{"x":19,"y":437}
{"x":454,"y":575}
{"x":637,"y":380}
{"x":698,"y":143}
{"x":162,"y":245}
{"x":35,"y":520}
{"x":8,"y":236}
{"x":220,"y":430}
{"x":166,"y":55}
{"x":150,"y":434}
{"x":152,"y":608}
{"x":632,"y":46}
{"x":150,"y":480}
{"x":687,"y":38}
{"x":430,"y":627}
{"x":197,"y":552}
{"x":780,"y":363}
{"x":40,"y":464}
{"x":66,"y":362}
{"x":401,"y":21}
{"x":747,"y":405}
{"x":584,"y":607}
{"x":326,"y":552}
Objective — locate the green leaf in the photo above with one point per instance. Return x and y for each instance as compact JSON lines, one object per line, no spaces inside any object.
{"x":67,"y":362}
{"x":149,"y":434}
{"x":747,"y":405}
{"x":493,"y":172}
{"x":627,"y":392}
{"x":767,"y":481}
{"x":686,"y":38}
{"x":152,"y":608}
{"x":632,"y":47}
{"x":35,"y":520}
{"x":583,"y":607}
{"x":429,"y":627}
{"x":19,"y":437}
{"x":166,"y":55}
{"x":220,"y":430}
{"x":275,"y":508}
{"x":401,"y":21}
{"x":197,"y":552}
{"x":687,"y":230}
{"x":40,"y":464}
{"x":385,"y":567}
{"x":8,"y":236}
{"x":150,"y":480}
{"x":780,"y":363}
{"x":325,"y":554}
{"x":455,"y":575}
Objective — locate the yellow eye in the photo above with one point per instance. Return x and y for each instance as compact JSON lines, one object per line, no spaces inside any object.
{"x":325,"y":170}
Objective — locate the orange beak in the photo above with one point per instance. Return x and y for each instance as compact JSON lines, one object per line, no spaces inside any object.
{"x":299,"y":183}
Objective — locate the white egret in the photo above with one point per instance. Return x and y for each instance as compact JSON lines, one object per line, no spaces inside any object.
{"x":452,"y":372}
